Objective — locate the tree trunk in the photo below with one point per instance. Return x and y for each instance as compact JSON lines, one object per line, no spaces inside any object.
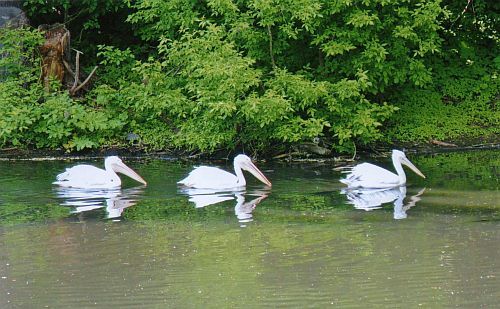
{"x":55,"y":51}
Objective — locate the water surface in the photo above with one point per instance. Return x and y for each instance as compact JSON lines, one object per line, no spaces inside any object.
{"x":303,"y":243}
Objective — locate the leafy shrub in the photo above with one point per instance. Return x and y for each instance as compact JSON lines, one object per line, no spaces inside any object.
{"x":30,"y":116}
{"x":463,"y":104}
{"x":211,"y":96}
{"x":225,"y":74}
{"x":17,"y":53}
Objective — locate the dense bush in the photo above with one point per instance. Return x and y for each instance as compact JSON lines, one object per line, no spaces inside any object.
{"x":463,"y":105}
{"x":256,"y":75}
{"x":462,"y":102}
{"x":30,"y":116}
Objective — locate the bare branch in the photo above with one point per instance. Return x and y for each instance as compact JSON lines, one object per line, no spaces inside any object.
{"x":77,"y":73}
{"x":68,"y":67}
{"x":84,"y":82}
{"x":469,"y":2}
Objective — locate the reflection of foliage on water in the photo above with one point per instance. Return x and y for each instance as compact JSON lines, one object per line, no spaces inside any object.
{"x":460,"y":170}
{"x":176,"y":208}
{"x":458,"y":183}
{"x":287,"y":208}
{"x":25,"y":213}
{"x":229,"y":267}
{"x":293,"y":207}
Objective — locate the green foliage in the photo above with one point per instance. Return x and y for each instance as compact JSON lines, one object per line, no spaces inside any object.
{"x":248,"y":74}
{"x":392,"y":50}
{"x":88,"y":12}
{"x":17,"y":53}
{"x":30,"y":116}
{"x":115,"y":64}
{"x":212,"y":97}
{"x":473,"y":23}
{"x":90,"y":22}
{"x":57,"y":121}
{"x":154,"y":19}
{"x":462,"y":104}
{"x":462,"y":101}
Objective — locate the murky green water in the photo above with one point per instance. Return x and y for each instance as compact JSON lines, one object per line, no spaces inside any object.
{"x":301,"y":244}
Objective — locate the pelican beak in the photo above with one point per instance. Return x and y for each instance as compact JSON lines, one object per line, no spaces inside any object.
{"x":257,"y":173}
{"x":407,"y":162}
{"x":122,"y":168}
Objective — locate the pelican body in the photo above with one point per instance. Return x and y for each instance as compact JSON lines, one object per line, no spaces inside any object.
{"x":90,"y":177}
{"x":366,"y":175}
{"x":206,"y":177}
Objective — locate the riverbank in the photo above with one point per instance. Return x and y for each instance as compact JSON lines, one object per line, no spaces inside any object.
{"x":295,"y":154}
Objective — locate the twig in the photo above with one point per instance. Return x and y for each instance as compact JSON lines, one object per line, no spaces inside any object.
{"x":84,"y":82}
{"x":354,"y":156}
{"x":77,"y":73}
{"x":469,"y":2}
{"x":68,"y":67}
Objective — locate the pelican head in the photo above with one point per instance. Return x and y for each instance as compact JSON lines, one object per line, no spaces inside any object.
{"x":116,"y":164}
{"x":244,"y":162}
{"x":399,"y":156}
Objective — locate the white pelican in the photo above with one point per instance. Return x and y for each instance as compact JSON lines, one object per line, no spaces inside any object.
{"x":90,"y":177}
{"x":206,"y":177}
{"x":366,"y":175}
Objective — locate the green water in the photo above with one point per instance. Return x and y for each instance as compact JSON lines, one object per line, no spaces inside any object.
{"x":299,"y":244}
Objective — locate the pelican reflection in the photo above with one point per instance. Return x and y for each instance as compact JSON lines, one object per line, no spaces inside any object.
{"x":245,"y":201}
{"x":113,"y":200}
{"x":245,"y":206}
{"x":370,"y":199}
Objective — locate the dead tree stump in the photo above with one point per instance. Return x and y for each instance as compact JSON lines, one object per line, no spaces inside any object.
{"x":56,"y":60}
{"x":54,"y":51}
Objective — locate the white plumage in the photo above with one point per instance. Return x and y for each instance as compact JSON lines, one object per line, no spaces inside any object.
{"x":206,"y":177}
{"x":90,"y":177}
{"x":367,"y":175}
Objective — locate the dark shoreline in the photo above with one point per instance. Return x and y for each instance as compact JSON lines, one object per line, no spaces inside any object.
{"x":14,"y":154}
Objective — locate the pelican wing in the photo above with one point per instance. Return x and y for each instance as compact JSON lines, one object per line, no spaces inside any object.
{"x":208,"y":177}
{"x":85,"y":176}
{"x":370,"y":176}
